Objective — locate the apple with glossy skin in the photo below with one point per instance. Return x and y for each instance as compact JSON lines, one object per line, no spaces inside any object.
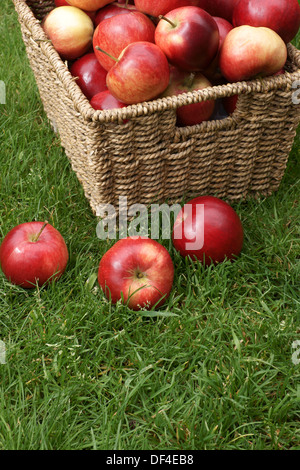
{"x":208,"y":229}
{"x":33,"y":253}
{"x":221,"y":8}
{"x":61,"y":3}
{"x":184,"y":82}
{"x":111,"y":10}
{"x":250,"y":52}
{"x":283,"y":16}
{"x":70,"y":31}
{"x":189,"y":37}
{"x":161,"y":7}
{"x":137,"y":270}
{"x":89,"y":5}
{"x":141,"y":73}
{"x":115,"y":33}
{"x":90,"y":75}
{"x":105,"y":100}
{"x":212,"y":72}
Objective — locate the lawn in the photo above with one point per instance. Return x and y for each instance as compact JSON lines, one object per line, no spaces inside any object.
{"x":80,"y":373}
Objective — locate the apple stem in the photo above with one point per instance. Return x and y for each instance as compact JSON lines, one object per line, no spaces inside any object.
{"x":162,"y":17}
{"x":107,"y":53}
{"x":35,"y":239}
{"x":190,"y":79}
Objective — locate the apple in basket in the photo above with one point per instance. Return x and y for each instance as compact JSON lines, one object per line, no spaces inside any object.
{"x":137,"y":270}
{"x":221,"y":8}
{"x":184,"y":82}
{"x":208,"y":229}
{"x":89,"y":5}
{"x":70,"y":31}
{"x":90,"y":76}
{"x":250,"y":52}
{"x":283,"y":16}
{"x":189,"y":37}
{"x":140,"y":73}
{"x":111,"y":10}
{"x":115,"y":33}
{"x":33,"y":253}
{"x":161,"y":7}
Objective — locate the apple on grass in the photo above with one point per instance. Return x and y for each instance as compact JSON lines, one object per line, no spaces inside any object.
{"x":208,"y":229}
{"x":115,"y":33}
{"x":189,"y":37}
{"x":250,"y":52}
{"x":33,"y":253}
{"x":70,"y":31}
{"x":283,"y":16}
{"x":184,"y":82}
{"x":89,"y":74}
{"x":141,"y":73}
{"x":137,"y":270}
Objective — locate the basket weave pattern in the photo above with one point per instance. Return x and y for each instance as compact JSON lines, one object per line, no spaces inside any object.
{"x":148,"y":158}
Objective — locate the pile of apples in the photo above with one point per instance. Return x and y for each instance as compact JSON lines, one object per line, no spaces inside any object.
{"x":127,"y":52}
{"x":136,"y":270}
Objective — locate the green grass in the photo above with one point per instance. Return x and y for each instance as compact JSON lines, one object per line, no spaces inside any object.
{"x":81,"y":373}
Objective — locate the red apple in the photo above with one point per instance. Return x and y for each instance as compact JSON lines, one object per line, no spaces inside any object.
{"x":90,"y":75}
{"x":183,"y":82}
{"x":209,"y":230}
{"x":70,"y":31}
{"x":111,"y":10}
{"x":115,"y":33}
{"x":137,"y":270}
{"x":221,"y":8}
{"x":189,"y":37}
{"x":141,"y":73}
{"x":212,"y":72}
{"x":283,"y":16}
{"x":105,"y":100}
{"x":161,"y":7}
{"x":89,"y":5}
{"x":249,"y":52}
{"x":33,"y":252}
{"x":229,"y":103}
{"x":61,"y":3}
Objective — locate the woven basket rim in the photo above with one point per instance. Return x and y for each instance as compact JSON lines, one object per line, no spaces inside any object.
{"x":82,"y":104}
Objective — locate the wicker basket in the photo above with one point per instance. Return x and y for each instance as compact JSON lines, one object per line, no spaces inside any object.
{"x":149,"y":158}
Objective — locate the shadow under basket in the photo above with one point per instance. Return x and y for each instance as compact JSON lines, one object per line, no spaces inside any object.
{"x":148,"y":158}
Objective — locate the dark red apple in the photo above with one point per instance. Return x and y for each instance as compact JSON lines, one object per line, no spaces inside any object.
{"x":209,"y":230}
{"x":105,"y":100}
{"x":33,"y":253}
{"x":137,"y":270}
{"x":141,"y":73}
{"x":221,"y":8}
{"x":90,"y":75}
{"x":61,"y":3}
{"x":212,"y":72}
{"x":189,"y":37}
{"x":161,"y":7}
{"x":184,"y":82}
{"x":283,"y":16}
{"x":70,"y":31}
{"x":111,"y":10}
{"x":115,"y":33}
{"x":250,"y":52}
